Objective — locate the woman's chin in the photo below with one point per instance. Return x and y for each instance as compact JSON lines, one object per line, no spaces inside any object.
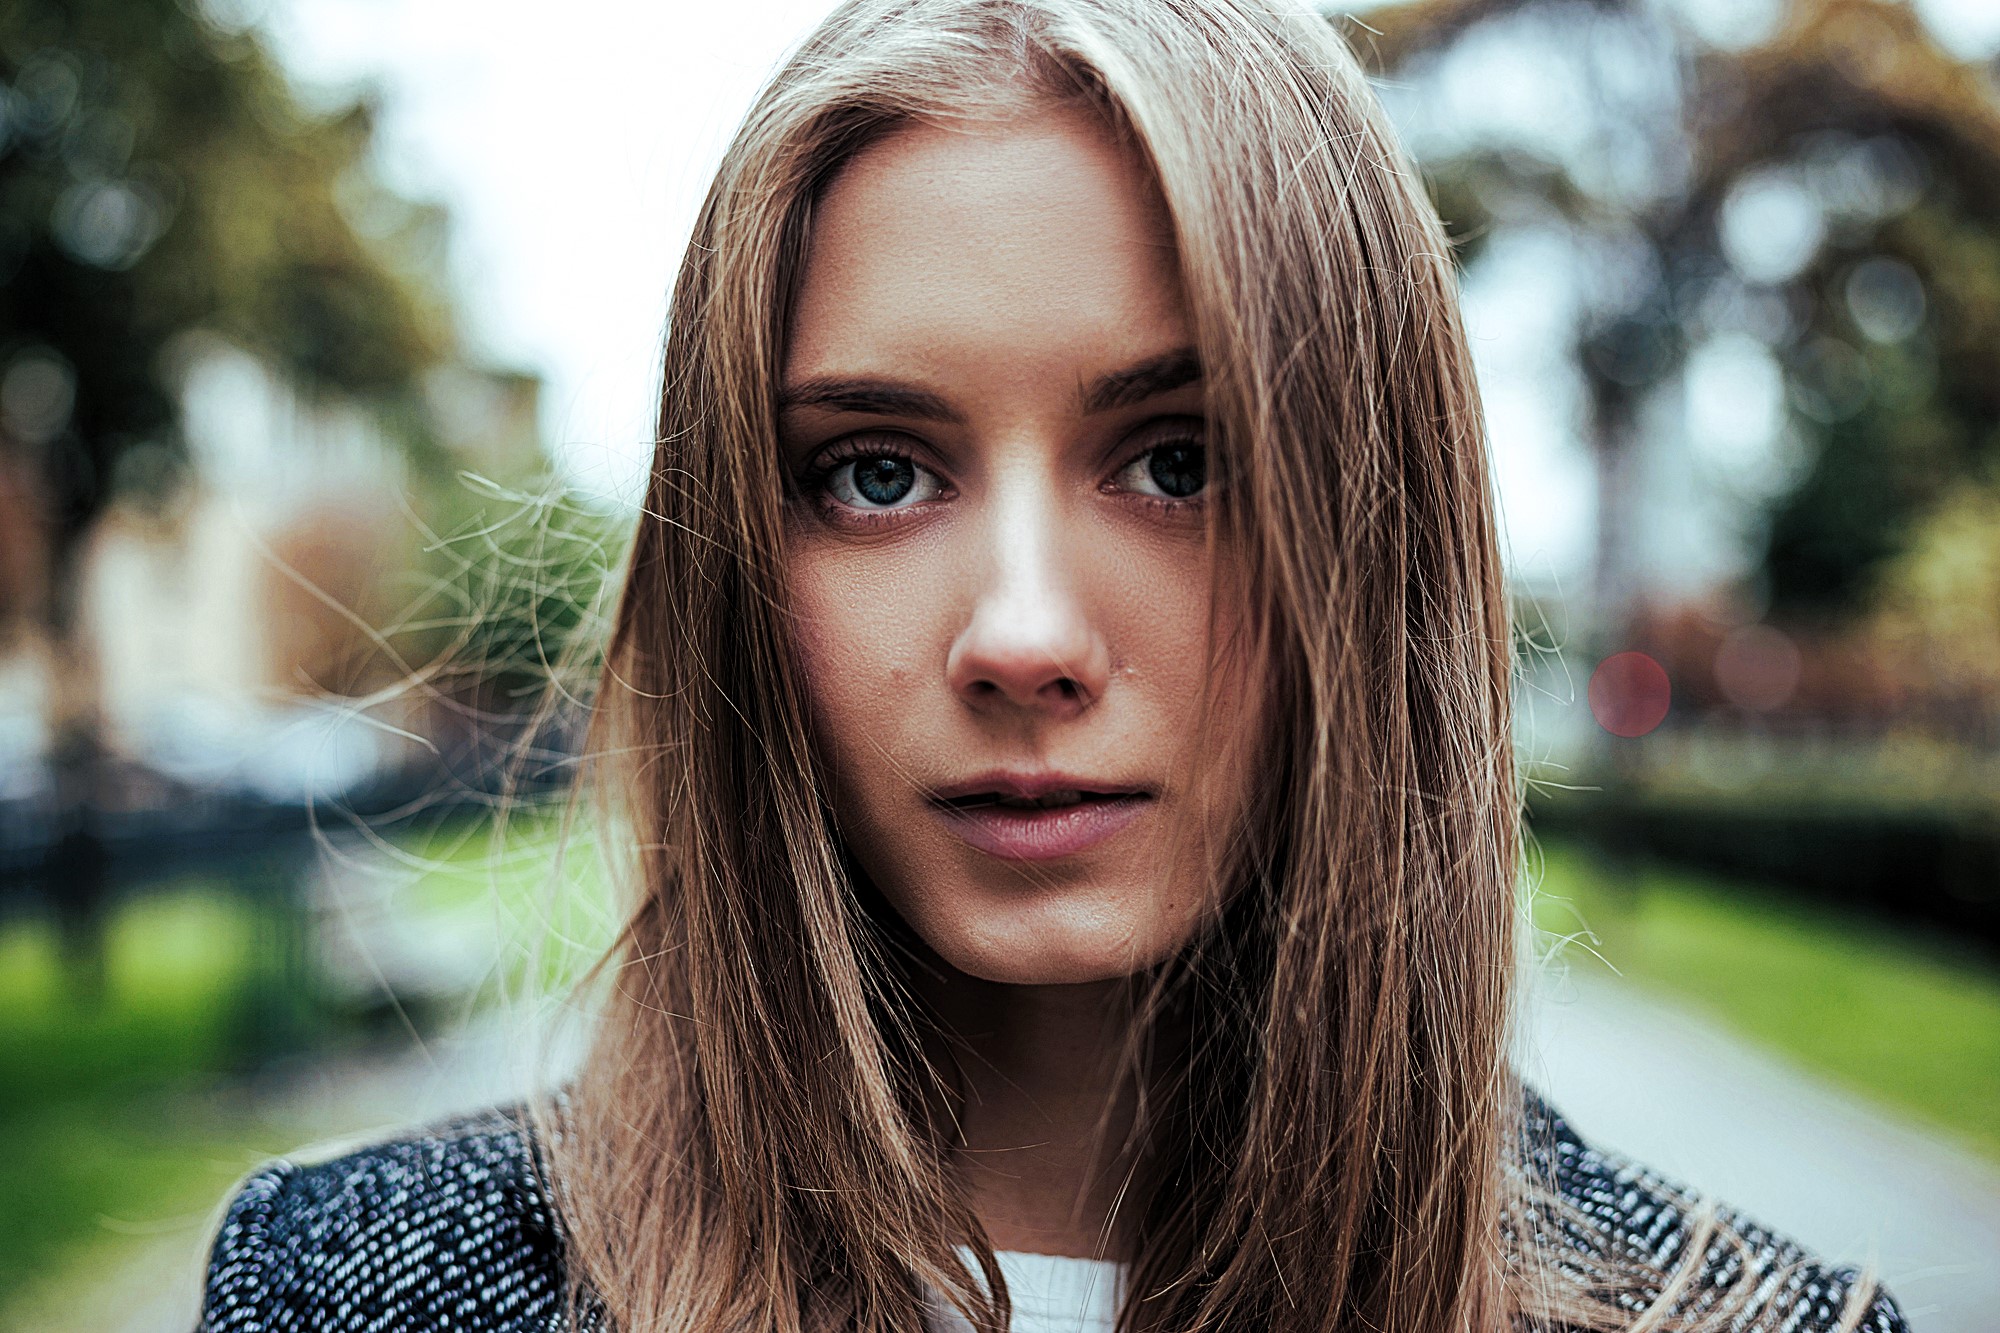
{"x":1035,"y":950}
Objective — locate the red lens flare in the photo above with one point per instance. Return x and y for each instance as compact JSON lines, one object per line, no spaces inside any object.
{"x":1629,"y":694}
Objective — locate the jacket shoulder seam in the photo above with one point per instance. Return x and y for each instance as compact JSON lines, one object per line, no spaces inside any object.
{"x":237,"y":1289}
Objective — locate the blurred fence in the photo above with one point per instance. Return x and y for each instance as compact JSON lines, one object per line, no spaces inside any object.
{"x":1930,"y":863}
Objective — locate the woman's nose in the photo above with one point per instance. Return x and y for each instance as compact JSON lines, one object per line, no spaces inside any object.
{"x":1030,"y":642}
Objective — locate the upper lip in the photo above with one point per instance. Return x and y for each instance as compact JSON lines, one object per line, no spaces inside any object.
{"x":1030,"y":786}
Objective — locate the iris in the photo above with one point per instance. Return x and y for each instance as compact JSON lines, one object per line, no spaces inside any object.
{"x":884,"y":479}
{"x":1180,"y":470}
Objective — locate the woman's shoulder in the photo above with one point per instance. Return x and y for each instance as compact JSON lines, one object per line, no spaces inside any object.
{"x":446,"y":1226}
{"x":1615,"y":1225}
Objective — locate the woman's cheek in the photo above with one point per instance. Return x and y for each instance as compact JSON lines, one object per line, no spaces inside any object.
{"x":858,"y":633}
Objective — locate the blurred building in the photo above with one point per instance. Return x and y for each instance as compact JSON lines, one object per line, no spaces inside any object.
{"x":273,"y":579}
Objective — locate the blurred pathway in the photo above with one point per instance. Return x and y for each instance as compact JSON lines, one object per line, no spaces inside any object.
{"x":1636,"y":1073}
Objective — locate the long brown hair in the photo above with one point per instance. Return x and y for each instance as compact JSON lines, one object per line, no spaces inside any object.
{"x":746,"y":1146}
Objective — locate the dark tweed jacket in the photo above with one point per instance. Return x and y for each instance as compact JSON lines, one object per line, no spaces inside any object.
{"x":447,"y":1228}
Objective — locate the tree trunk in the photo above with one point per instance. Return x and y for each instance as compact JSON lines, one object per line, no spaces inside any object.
{"x":75,"y":872}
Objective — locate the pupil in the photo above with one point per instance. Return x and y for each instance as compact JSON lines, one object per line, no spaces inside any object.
{"x":884,"y":480}
{"x":1179,"y":469}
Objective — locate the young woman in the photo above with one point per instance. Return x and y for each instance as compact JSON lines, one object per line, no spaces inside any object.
{"x":1059,"y":704}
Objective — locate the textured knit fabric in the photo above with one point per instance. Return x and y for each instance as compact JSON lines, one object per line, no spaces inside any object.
{"x":448,"y":1228}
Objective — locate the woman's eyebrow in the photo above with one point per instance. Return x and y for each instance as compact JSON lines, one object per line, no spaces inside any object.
{"x":874,"y":397}
{"x":892,"y":398}
{"x":1147,"y":379}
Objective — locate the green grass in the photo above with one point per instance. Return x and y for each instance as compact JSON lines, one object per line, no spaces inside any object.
{"x":551,"y":919}
{"x":107,"y":1102}
{"x":174,"y":964}
{"x":83,"y":1105}
{"x":1903,"y":1017}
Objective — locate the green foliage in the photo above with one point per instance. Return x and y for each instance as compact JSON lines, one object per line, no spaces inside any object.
{"x":1900,"y":1017}
{"x":1938,"y":602}
{"x":514,"y":592}
{"x":1888,"y":337}
{"x":1896,"y":419}
{"x":1476,"y":191}
{"x":157,"y":176}
{"x":1908,"y":829}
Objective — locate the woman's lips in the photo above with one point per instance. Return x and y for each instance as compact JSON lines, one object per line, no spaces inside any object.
{"x":1024,"y":834}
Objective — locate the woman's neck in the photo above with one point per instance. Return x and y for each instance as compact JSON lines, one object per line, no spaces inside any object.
{"x":1042,"y":1115}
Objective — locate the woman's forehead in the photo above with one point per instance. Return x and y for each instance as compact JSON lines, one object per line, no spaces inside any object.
{"x":1039,"y":240}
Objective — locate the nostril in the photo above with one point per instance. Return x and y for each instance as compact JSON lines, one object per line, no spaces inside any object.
{"x":1035,"y":661}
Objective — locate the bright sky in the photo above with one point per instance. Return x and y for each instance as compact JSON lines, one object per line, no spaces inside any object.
{"x":572,"y":143}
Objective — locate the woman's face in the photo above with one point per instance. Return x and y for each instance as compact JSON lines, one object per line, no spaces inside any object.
{"x":998,"y":551}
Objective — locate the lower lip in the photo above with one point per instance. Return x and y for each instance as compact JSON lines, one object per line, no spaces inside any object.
{"x":1042,"y":835}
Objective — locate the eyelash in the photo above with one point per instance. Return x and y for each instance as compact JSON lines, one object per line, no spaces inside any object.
{"x":814,"y":482}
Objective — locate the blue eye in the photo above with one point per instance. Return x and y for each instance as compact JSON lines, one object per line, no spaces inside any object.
{"x":1175,"y":469}
{"x":873,"y":477}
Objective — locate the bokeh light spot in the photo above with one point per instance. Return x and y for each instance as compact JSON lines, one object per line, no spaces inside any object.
{"x":1629,"y":694}
{"x":1758,"y":667}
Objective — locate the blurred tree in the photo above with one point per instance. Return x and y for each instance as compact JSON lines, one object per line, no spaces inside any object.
{"x":1939,"y":610}
{"x":1831,"y":189}
{"x":158,"y":177}
{"x":1892,"y":351}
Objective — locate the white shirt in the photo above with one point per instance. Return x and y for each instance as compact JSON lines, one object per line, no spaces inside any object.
{"x":1052,"y":1293}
